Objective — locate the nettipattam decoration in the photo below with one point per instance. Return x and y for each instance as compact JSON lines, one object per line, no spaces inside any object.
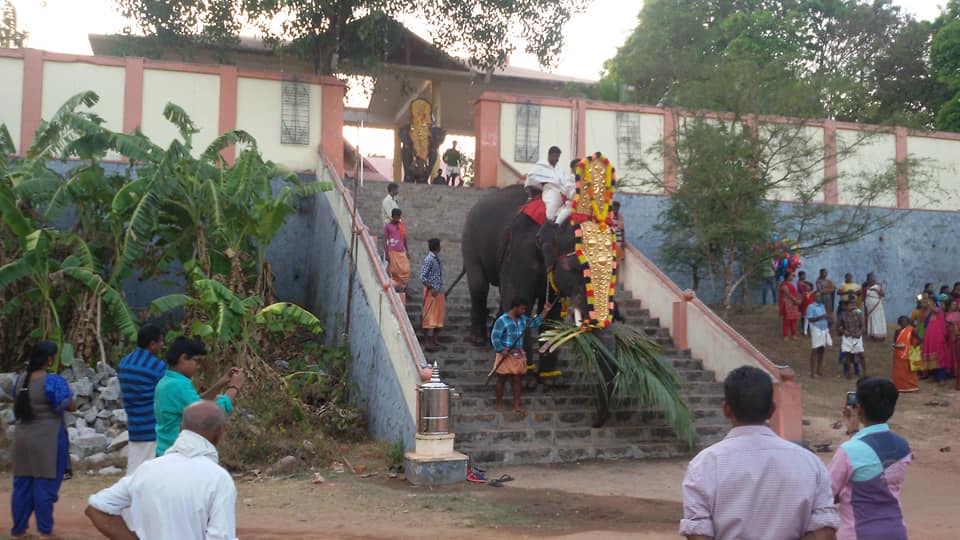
{"x":421,"y":118}
{"x":596,"y":246}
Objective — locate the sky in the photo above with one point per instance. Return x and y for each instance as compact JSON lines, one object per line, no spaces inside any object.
{"x":63,"y":25}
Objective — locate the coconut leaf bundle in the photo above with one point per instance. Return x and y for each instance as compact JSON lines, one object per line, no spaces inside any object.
{"x":634,"y":372}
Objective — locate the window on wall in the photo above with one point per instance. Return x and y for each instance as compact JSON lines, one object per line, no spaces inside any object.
{"x":527,"y":145}
{"x":629,"y":151}
{"x":294,"y":113}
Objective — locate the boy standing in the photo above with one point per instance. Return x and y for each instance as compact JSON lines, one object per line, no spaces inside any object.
{"x":139,"y":372}
{"x":868,"y":471}
{"x":434,"y":302}
{"x":395,"y":249}
{"x":816,"y":316}
{"x":851,"y":346}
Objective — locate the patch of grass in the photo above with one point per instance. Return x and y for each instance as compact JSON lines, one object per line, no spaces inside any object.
{"x":395,"y":452}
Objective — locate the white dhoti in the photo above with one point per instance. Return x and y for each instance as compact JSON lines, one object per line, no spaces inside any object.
{"x":557,"y":209}
{"x":851,"y":345}
{"x":820,"y":338}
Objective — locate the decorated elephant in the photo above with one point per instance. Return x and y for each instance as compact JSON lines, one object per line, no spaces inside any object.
{"x":499,"y":247}
{"x":419,"y":142}
{"x":504,"y":245}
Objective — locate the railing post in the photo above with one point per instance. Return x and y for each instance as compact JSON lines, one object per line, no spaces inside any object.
{"x":787,"y":420}
{"x":679,"y":329}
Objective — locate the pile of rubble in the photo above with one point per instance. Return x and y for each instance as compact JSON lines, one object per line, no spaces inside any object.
{"x":98,"y":429}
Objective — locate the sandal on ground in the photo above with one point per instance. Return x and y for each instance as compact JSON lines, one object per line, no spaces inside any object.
{"x":498,"y":482}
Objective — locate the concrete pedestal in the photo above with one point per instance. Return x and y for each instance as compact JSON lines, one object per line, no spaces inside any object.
{"x":434,"y":462}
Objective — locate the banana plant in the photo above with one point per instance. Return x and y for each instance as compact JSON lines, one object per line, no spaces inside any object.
{"x":235,"y":323}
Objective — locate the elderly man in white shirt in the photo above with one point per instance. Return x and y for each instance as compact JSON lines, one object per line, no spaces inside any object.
{"x":183,"y":495}
{"x":554,"y":184}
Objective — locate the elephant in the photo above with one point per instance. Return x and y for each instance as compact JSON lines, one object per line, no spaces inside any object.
{"x":499,"y":248}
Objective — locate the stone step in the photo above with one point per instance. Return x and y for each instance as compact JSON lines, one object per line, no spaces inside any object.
{"x":572,"y":452}
{"x":476,"y":385}
{"x":466,"y":354}
{"x":567,"y":418}
{"x":479,"y":371}
{"x":485,"y":401}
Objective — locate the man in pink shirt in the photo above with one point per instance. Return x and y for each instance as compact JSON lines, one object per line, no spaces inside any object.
{"x":868,"y":470}
{"x":753,"y":485}
{"x":395,"y":250}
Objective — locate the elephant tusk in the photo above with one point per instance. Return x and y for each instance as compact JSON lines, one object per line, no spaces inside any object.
{"x":577,"y":317}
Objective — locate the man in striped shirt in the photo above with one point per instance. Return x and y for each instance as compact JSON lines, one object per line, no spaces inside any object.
{"x":139,"y":373}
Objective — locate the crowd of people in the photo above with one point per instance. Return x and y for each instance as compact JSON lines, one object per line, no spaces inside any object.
{"x":926,"y":343}
{"x":173,"y":487}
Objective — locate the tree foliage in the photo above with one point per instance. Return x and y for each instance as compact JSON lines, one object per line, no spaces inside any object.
{"x":10,"y":34}
{"x":361,"y":33}
{"x":860,"y":61}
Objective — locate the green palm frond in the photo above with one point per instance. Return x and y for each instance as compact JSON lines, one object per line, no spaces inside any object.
{"x":12,"y":216}
{"x":642,"y":376}
{"x":170,"y":302}
{"x":13,"y":272}
{"x":236,"y":136}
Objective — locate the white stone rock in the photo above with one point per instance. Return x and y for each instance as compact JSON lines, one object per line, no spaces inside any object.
{"x":112,"y":391}
{"x":90,"y":443}
{"x":119,"y":441}
{"x":69,"y":419}
{"x":82,"y":387}
{"x":72,"y":435}
{"x":7,"y":417}
{"x":90,"y":416}
{"x":120,"y":416}
{"x":109,"y":471}
{"x":97,"y":458}
{"x":105,"y":414}
{"x":101,"y":425}
{"x":7,"y":383}
{"x":103,"y":367}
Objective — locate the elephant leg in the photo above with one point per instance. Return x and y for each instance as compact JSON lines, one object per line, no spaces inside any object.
{"x":479,"y":289}
{"x":548,"y":373}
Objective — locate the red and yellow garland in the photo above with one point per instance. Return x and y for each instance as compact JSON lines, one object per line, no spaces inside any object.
{"x":596,"y":246}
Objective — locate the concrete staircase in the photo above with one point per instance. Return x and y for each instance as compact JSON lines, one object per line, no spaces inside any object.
{"x":558,"y":425}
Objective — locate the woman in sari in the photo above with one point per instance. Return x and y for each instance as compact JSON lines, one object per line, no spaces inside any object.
{"x":934,"y":351}
{"x":953,"y":338}
{"x":873,"y":303}
{"x":903,"y":378}
{"x":40,"y":444}
{"x":789,"y":300}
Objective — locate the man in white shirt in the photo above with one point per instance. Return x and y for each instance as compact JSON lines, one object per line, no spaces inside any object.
{"x":554,"y":184}
{"x":183,"y":495}
{"x":390,"y":202}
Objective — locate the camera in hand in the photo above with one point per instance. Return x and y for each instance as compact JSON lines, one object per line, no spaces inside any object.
{"x":851,"y":399}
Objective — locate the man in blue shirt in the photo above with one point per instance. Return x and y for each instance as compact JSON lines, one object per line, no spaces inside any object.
{"x":507,"y":340}
{"x":816,"y":321}
{"x":139,"y":373}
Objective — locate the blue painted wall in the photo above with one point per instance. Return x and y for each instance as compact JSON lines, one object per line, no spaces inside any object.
{"x":923,"y":246}
{"x":378,"y":388}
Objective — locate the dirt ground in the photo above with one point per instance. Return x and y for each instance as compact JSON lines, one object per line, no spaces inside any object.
{"x":589,"y":501}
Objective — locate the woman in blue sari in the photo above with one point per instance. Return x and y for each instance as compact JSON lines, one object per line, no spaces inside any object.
{"x":40,"y":442}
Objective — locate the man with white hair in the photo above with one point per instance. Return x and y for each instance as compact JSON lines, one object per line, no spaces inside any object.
{"x":183,"y":495}
{"x":545,"y":176}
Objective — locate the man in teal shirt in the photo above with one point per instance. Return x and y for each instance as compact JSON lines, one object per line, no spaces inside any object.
{"x":175,"y":390}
